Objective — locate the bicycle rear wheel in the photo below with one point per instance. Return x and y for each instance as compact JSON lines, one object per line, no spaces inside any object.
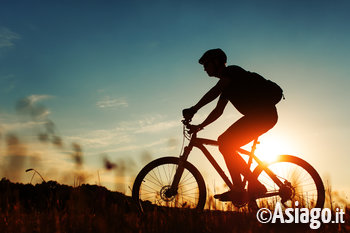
{"x":155,"y":179}
{"x":302,"y":184}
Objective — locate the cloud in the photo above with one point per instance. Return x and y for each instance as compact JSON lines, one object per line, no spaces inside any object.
{"x":126,"y":135}
{"x":29,"y":105}
{"x":15,"y":126}
{"x":36,"y":98}
{"x":155,"y":123}
{"x":135,"y":147}
{"x":7,"y":38}
{"x":109,"y":102}
{"x":101,"y":138}
{"x":157,"y":127}
{"x":148,"y":124}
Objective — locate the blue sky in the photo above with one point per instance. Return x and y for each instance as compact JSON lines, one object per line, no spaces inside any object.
{"x":114,"y":76}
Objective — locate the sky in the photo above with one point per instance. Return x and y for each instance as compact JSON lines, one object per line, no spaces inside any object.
{"x":86,"y":82}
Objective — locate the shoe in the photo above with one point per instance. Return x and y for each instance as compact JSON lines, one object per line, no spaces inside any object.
{"x":256,"y":189}
{"x":232,"y":195}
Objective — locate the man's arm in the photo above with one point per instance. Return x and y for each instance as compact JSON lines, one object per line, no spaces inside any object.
{"x":212,"y":94}
{"x":216,"y":113}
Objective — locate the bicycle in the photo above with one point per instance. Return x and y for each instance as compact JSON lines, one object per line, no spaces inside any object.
{"x":174,"y":182}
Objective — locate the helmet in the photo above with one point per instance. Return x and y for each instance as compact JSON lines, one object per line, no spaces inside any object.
{"x":213,"y":54}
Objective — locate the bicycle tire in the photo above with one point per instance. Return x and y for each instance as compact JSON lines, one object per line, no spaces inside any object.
{"x":159,"y":171}
{"x":313,"y":193}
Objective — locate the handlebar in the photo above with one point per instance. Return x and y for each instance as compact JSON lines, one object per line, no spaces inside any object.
{"x":191,"y":129}
{"x":186,"y":122}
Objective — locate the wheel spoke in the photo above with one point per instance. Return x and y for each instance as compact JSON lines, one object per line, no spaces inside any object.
{"x":156,"y":185}
{"x":304,"y":188}
{"x":155,"y":175}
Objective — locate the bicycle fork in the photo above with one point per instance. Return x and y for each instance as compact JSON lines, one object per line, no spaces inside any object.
{"x":180,"y":169}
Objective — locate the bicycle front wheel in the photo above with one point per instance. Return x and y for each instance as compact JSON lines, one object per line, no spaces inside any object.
{"x":155,"y":179}
{"x":302,"y":184}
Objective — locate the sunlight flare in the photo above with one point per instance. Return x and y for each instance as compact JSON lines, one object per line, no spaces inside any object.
{"x":271,"y":147}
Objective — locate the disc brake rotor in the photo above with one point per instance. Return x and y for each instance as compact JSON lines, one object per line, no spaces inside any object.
{"x":164,"y":194}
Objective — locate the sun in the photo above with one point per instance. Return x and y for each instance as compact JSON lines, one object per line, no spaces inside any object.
{"x":271,"y":147}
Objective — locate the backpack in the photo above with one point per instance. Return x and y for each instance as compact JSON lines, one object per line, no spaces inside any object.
{"x":274,"y":92}
{"x":269,"y":91}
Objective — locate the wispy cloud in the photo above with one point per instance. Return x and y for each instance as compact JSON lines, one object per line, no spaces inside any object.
{"x":148,"y":124}
{"x":7,"y":38}
{"x":157,"y":127}
{"x":108,"y":102}
{"x":29,"y":105}
{"x":17,"y":126}
{"x":36,"y":98}
{"x":101,"y":138}
{"x":125,"y":135}
{"x":135,"y":147}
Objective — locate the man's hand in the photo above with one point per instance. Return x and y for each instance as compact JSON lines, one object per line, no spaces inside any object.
{"x":194,"y":128}
{"x":188,"y":113}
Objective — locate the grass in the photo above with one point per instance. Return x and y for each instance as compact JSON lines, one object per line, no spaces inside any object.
{"x":51,"y":207}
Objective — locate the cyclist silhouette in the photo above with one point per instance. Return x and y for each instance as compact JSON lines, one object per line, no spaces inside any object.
{"x":248,"y":95}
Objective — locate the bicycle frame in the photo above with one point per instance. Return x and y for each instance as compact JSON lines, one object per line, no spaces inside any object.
{"x":200,"y":142}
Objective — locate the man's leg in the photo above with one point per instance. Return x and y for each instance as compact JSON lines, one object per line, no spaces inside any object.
{"x":235,"y":165}
{"x":239,"y":134}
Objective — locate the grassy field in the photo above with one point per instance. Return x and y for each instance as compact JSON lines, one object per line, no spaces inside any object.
{"x":51,"y":207}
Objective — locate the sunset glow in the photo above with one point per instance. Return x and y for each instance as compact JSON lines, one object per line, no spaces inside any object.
{"x":271,"y":147}
{"x":83,"y":83}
